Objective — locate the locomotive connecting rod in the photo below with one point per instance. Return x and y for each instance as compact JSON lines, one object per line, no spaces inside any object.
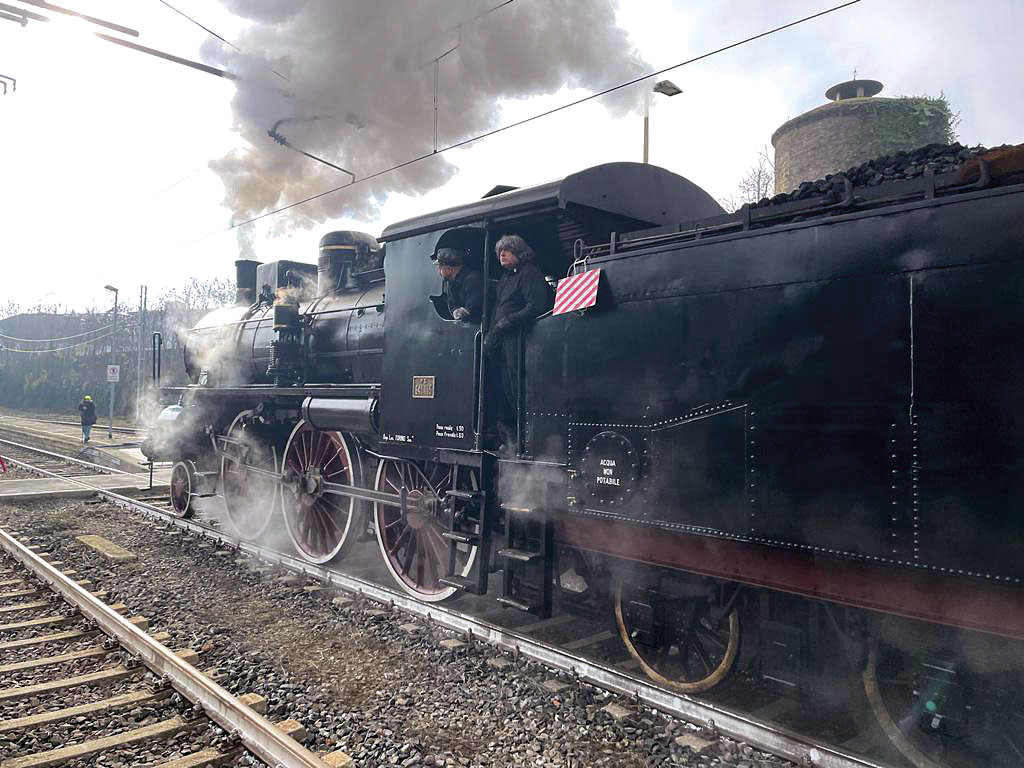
{"x":366,"y":494}
{"x":337,"y":489}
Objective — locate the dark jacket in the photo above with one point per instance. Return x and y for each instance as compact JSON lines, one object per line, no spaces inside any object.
{"x":522,"y":295}
{"x":465,"y":290}
{"x":88,"y":409}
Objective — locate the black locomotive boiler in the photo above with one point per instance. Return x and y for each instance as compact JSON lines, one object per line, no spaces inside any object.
{"x":792,"y":421}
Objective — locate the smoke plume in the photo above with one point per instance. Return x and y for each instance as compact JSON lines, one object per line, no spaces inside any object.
{"x":353,"y":82}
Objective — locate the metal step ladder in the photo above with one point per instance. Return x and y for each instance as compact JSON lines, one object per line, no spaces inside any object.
{"x":476,"y":582}
{"x":529,"y":561}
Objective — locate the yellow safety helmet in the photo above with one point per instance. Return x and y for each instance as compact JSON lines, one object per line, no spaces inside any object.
{"x":87,"y":397}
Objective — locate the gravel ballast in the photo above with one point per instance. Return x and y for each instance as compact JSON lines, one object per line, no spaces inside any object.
{"x":377,"y":684}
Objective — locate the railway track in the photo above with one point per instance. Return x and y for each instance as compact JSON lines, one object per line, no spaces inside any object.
{"x":45,"y":463}
{"x":70,"y":663}
{"x":563,"y":643}
{"x":98,"y":427}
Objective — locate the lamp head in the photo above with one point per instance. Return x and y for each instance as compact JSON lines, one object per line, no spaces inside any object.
{"x":667,"y":87}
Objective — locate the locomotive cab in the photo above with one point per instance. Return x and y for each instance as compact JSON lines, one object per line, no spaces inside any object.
{"x":433,"y":371}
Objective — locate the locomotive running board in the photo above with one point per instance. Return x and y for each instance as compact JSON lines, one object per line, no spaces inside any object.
{"x":347,"y":391}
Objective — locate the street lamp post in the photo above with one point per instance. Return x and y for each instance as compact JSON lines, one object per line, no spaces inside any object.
{"x":143,"y":294}
{"x":666,"y":87}
{"x":113,"y":361}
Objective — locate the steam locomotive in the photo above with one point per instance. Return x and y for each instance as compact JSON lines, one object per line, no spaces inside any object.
{"x":792,"y":423}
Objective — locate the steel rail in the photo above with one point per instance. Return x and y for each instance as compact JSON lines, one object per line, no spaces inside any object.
{"x":257,"y":734}
{"x":776,"y":740}
{"x":81,"y":462}
{"x":127,"y":430}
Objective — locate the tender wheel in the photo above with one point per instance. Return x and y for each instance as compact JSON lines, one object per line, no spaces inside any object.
{"x":412,"y":545}
{"x":888,"y":683}
{"x":322,"y":526}
{"x":183,"y":488}
{"x":689,"y":644}
{"x":939,"y":712}
{"x":250,"y":499}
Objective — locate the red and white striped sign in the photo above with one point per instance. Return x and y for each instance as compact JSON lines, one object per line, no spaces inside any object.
{"x":577,"y":292}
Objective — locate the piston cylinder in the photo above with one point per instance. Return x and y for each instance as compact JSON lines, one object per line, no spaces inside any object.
{"x":357,"y":415}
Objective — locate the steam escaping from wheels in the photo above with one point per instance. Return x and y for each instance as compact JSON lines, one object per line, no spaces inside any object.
{"x":250,"y":499}
{"x":411,"y":539}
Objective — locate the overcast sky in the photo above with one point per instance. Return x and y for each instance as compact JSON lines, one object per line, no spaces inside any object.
{"x":105,"y":172}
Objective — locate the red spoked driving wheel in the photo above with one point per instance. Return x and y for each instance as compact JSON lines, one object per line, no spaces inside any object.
{"x":411,"y":541}
{"x":322,"y":525}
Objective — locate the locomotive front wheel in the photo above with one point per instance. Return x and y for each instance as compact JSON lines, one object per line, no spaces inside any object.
{"x":322,"y":526}
{"x":183,"y":485}
{"x":414,"y":550}
{"x":686,"y":645}
{"x":250,"y":499}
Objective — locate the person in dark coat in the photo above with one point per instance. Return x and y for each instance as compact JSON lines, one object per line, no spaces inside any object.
{"x":88,"y":410}
{"x":522,"y":296}
{"x":463,"y":286}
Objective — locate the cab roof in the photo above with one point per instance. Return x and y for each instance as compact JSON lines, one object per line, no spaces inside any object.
{"x":629,"y":196}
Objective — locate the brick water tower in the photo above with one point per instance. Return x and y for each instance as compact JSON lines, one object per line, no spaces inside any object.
{"x":855,"y":125}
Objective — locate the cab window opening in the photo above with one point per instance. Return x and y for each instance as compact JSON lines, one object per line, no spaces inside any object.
{"x":458,"y":259}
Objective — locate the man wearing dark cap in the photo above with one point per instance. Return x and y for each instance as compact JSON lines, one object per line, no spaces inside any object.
{"x":463,"y":286}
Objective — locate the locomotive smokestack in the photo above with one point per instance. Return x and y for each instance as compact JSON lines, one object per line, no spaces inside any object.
{"x":245,"y":281}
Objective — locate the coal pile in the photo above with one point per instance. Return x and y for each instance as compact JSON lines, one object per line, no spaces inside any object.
{"x":940,"y":158}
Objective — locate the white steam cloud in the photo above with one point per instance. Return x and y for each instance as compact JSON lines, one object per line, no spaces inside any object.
{"x":354,"y":81}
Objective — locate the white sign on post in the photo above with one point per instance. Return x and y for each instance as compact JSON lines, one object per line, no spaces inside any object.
{"x":113,"y":373}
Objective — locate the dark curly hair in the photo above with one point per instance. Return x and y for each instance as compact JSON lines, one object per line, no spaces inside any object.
{"x":518,"y":247}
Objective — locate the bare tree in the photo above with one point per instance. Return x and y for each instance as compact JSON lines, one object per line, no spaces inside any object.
{"x":200,"y":294}
{"x":757,"y":184}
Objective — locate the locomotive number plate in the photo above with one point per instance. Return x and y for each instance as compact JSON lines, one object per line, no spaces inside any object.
{"x":423,"y":387}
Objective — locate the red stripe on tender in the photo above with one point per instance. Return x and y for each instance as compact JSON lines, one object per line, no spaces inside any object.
{"x":573,"y":284}
{"x":563,"y":297}
{"x":585,"y":299}
{"x":582,"y":294}
{"x":571,"y":291}
{"x":578,"y":290}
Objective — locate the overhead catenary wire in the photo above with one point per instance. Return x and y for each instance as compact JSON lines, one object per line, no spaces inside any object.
{"x":58,"y":338}
{"x":212,"y":33}
{"x":179,"y":181}
{"x":524,"y":121}
{"x":200,"y":25}
{"x":55,"y":349}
